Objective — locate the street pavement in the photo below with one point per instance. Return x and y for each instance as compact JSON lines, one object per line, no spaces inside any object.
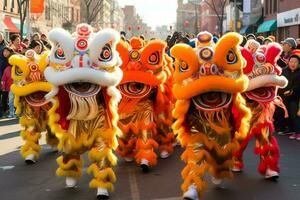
{"x":19,"y":181}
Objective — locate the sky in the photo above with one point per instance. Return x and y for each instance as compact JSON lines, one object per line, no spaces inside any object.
{"x":154,"y":12}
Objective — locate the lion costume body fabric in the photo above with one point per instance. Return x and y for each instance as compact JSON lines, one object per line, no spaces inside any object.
{"x":146,"y":105}
{"x":29,"y":89}
{"x":261,"y":96}
{"x":208,"y":81}
{"x":84,"y":69}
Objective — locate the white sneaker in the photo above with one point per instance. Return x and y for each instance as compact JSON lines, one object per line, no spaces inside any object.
{"x":164,"y":154}
{"x":102,"y":193}
{"x":271,"y":175}
{"x":191,"y":194}
{"x":71,"y":182}
{"x":216,"y":181}
{"x":236,"y":169}
{"x":30,"y":159}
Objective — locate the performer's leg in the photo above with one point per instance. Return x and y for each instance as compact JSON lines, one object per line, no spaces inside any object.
{"x":267,"y":147}
{"x":197,"y":164}
{"x":51,"y":139}
{"x":126,"y":148}
{"x":31,"y":149}
{"x":238,"y":162}
{"x":165,"y":138}
{"x":145,"y":155}
{"x":70,"y":166}
{"x":103,"y":159}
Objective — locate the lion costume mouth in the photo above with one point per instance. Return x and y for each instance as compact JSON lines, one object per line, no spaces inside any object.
{"x":262,"y":94}
{"x":212,"y":101}
{"x":36,"y":99}
{"x":82,"y":89}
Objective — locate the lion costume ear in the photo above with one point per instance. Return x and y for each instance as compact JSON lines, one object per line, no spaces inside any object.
{"x":122,"y":48}
{"x":20,"y":69}
{"x":186,"y":61}
{"x":152,"y":54}
{"x":227,"y":54}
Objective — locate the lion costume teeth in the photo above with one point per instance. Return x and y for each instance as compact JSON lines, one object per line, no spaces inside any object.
{"x":29,"y":89}
{"x":210,"y":112}
{"x":145,"y":109}
{"x":84,"y":69}
{"x":261,"y":97}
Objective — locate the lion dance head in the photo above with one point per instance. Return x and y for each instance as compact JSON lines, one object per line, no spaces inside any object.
{"x":208,"y":80}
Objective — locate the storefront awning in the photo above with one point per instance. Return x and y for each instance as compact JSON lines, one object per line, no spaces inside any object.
{"x":267,"y":26}
{"x":10,"y":25}
{"x":245,"y":30}
{"x":18,"y":25}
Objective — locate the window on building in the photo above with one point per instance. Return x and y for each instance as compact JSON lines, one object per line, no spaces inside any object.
{"x":5,"y":5}
{"x":12,"y":6}
{"x":266,"y":7}
{"x":271,"y":6}
{"x":275,"y":5}
{"x":47,"y":12}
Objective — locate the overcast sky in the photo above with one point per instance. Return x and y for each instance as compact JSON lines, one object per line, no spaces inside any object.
{"x":154,"y":12}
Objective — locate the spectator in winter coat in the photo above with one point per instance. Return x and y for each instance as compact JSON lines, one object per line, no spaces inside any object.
{"x":7,"y":81}
{"x":292,"y":93}
{"x":288,"y":45}
{"x":3,"y":43}
{"x":16,"y":43}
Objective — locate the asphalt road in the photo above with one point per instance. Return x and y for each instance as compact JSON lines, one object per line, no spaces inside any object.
{"x":19,"y":181}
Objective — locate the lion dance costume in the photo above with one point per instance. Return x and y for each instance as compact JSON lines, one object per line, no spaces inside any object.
{"x":208,"y":81}
{"x":146,"y":105}
{"x":84,"y":69}
{"x":29,"y":89}
{"x":261,"y":97}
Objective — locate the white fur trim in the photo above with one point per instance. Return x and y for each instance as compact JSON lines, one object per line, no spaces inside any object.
{"x":84,"y":74}
{"x":266,"y":81}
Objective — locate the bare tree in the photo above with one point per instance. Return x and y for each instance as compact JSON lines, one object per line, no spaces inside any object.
{"x":93,"y":8}
{"x":219,"y":12}
{"x":23,"y":6}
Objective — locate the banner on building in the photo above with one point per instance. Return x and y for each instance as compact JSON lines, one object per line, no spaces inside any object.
{"x":37,"y":6}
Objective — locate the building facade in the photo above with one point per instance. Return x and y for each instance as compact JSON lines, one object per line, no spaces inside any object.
{"x":288,"y":19}
{"x":187,"y":19}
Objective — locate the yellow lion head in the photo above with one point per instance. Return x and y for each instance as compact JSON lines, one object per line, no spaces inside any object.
{"x":30,"y":85}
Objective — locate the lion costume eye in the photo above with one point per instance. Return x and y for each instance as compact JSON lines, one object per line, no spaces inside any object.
{"x":106,"y":54}
{"x":183,"y":66}
{"x":154,"y":58}
{"x":202,"y":70}
{"x":60,"y":54}
{"x":18,"y":71}
{"x":214,"y":69}
{"x":231,"y":57}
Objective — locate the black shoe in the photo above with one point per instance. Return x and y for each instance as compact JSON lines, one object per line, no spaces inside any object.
{"x":273,"y":178}
{"x":145,"y":168}
{"x":187,"y":198}
{"x":29,"y":162}
{"x":102,"y":197}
